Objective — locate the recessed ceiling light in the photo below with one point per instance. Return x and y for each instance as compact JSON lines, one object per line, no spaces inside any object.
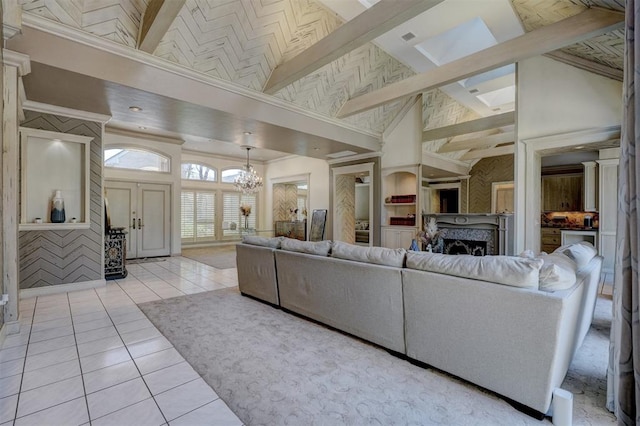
{"x":247,"y":133}
{"x":473,"y":91}
{"x":135,"y":108}
{"x":316,"y":149}
{"x":578,"y":147}
{"x":142,"y":128}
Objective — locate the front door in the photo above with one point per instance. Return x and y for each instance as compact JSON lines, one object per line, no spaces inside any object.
{"x":143,"y":209}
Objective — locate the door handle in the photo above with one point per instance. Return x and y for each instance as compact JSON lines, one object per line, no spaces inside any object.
{"x":139,"y":223}
{"x":133,"y":224}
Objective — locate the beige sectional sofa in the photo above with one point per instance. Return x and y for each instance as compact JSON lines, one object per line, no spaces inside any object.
{"x":482,"y":319}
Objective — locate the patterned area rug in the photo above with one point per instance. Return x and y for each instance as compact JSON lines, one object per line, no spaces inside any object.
{"x":273,"y":368}
{"x":220,"y":257}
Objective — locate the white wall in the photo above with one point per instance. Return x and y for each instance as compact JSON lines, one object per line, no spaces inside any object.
{"x":557,"y":98}
{"x":403,"y":144}
{"x":554,"y":98}
{"x":318,"y":196}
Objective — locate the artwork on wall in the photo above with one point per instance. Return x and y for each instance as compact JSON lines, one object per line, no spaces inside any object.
{"x":318,"y":220}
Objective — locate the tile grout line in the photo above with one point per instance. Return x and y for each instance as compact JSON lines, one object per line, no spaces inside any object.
{"x":84,"y":388}
{"x":134,"y":362}
{"x":24,"y":363}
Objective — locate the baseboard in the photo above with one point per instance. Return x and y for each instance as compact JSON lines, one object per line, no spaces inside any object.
{"x":60,"y":288}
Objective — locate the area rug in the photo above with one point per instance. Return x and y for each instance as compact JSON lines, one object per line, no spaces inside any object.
{"x":220,"y":257}
{"x":273,"y":368}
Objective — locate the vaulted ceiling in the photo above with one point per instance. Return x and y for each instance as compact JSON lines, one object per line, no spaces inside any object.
{"x":243,"y":41}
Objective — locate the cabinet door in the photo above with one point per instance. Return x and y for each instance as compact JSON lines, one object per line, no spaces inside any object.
{"x":550,"y":193}
{"x":405,"y":236}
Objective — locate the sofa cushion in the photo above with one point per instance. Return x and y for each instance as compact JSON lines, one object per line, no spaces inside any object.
{"x":377,"y":255}
{"x":507,"y":270}
{"x":558,"y":272}
{"x":262,"y":241}
{"x":581,"y":252}
{"x":320,"y":248}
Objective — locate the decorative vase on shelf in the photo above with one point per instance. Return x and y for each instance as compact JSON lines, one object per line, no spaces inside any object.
{"x":57,"y":209}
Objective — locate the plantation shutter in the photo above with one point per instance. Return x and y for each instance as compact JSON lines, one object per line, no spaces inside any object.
{"x":231,"y":212}
{"x":187,"y":225}
{"x":198,"y":217}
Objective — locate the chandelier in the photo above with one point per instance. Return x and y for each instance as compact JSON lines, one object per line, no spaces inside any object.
{"x":248,"y":181}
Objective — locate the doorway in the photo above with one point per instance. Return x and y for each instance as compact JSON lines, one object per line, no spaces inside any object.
{"x":143,"y":210}
{"x":353,"y":204}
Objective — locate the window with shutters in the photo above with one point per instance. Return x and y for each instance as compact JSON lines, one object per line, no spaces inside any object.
{"x":198,"y":220}
{"x":195,"y":171}
{"x":233,"y":222}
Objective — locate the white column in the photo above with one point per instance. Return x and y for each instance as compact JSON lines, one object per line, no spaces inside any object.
{"x":590,"y":204}
{"x":15,"y":66}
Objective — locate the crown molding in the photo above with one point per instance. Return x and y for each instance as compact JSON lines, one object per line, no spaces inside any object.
{"x":67,"y":112}
{"x":357,"y":157}
{"x":18,"y":60}
{"x":60,"y":30}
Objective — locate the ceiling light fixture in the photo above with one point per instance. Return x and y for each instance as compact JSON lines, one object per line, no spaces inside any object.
{"x":248,"y":181}
{"x":135,"y":108}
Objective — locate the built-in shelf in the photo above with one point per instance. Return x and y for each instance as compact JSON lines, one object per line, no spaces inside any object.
{"x":53,"y":161}
{"x":53,"y":226}
{"x":399,"y":204}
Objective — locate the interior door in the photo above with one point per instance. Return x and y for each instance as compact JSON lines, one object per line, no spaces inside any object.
{"x":143,"y":209}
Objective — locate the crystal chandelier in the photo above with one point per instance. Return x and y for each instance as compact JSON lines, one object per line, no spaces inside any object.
{"x":248,"y":181}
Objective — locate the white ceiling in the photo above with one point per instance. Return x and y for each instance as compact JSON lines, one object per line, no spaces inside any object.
{"x":448,"y":31}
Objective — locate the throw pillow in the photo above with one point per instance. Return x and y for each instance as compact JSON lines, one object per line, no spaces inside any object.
{"x":377,"y":255}
{"x":507,"y":270}
{"x":558,"y":272}
{"x":320,"y":248}
{"x":262,"y":241}
{"x":581,"y":252}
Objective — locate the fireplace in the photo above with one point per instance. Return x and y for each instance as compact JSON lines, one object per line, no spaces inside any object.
{"x":475,"y":234}
{"x":474,"y":248}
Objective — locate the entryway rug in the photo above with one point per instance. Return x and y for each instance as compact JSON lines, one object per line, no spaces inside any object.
{"x":273,"y":368}
{"x":220,"y":257}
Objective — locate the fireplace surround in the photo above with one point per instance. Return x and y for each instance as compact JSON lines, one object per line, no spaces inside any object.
{"x":476,"y":234}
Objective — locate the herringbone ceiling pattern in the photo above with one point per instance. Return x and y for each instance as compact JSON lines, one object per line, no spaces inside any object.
{"x":242,"y":41}
{"x":606,"y":49}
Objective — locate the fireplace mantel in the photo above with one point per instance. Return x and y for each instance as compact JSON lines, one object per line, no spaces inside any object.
{"x":501,"y":223}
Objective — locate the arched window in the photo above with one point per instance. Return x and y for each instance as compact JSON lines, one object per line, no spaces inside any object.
{"x":229,"y":175}
{"x":136,"y":159}
{"x":194,"y":171}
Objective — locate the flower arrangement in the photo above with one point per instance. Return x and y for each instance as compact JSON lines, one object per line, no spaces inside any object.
{"x":293,"y":212}
{"x":431,"y":234}
{"x":245,"y":209}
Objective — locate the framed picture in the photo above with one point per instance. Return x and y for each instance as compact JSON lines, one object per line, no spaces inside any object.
{"x":318,"y":220}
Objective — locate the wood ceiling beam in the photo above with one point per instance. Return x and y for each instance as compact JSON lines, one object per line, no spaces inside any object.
{"x":485,"y":123}
{"x":586,"y":65}
{"x":373,"y":22}
{"x":485,"y":142}
{"x":157,"y":18}
{"x":489,"y":152}
{"x":588,"y":24}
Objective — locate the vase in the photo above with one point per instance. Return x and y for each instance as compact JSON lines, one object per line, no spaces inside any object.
{"x":246,"y":222}
{"x":414,"y":245}
{"x":57,"y":208}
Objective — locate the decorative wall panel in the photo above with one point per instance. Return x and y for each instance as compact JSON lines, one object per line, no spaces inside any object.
{"x":345,"y":208}
{"x":61,"y":257}
{"x":483,"y":173}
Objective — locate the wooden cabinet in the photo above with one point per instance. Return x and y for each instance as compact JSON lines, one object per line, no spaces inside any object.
{"x":550,"y":239}
{"x":590,"y":200}
{"x":562,"y":192}
{"x":397,"y":236}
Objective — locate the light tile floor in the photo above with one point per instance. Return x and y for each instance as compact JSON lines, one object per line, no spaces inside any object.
{"x":92,"y":357}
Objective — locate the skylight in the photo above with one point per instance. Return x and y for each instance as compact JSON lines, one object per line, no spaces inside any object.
{"x":460,"y":41}
{"x":498,"y":97}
